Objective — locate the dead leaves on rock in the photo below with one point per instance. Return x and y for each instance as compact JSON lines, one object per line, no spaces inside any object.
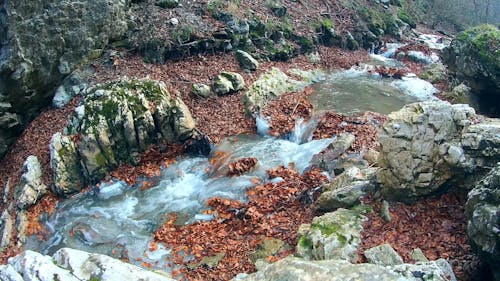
{"x":241,"y":166}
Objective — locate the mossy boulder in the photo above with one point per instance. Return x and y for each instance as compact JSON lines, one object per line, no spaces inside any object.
{"x":114,"y":123}
{"x":333,"y":235}
{"x":474,"y":57}
{"x":228,"y":82}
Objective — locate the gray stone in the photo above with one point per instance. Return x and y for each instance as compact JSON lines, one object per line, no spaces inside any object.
{"x":228,"y":82}
{"x":418,"y":56}
{"x":43,"y":42}
{"x":483,"y":219}
{"x":201,"y":90}
{"x":461,"y":94}
{"x":418,"y":256}
{"x":268,"y":247}
{"x":333,"y":235}
{"x":31,"y":187}
{"x":434,"y":73}
{"x":246,"y":61}
{"x":269,"y":86}
{"x":383,"y":255}
{"x":427,"y":144}
{"x":6,"y":227}
{"x":346,"y":189}
{"x":292,"y":268}
{"x":328,"y":161}
{"x":69,"y":264}
{"x":385,"y":212}
{"x":65,"y":164}
{"x":71,"y":86}
{"x":115,"y":122}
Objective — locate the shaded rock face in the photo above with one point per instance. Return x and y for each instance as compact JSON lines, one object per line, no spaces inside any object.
{"x":292,"y":268}
{"x":114,"y":123}
{"x":425,"y":145}
{"x":69,"y":264}
{"x":483,"y":215}
{"x":474,"y":57}
{"x":41,"y":42}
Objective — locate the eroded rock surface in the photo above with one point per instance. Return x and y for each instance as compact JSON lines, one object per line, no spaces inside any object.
{"x":42,"y":42}
{"x":69,"y":264}
{"x":31,"y":188}
{"x":483,"y":215}
{"x":425,"y":145}
{"x":113,"y":124}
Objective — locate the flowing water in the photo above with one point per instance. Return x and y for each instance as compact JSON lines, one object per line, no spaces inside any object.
{"x":118,"y":220}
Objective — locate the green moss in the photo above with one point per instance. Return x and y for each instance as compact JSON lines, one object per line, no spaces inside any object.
{"x":305,"y":242}
{"x":483,"y":41}
{"x":405,"y":17}
{"x":101,"y":160}
{"x":362,"y":209}
{"x":326,"y":229}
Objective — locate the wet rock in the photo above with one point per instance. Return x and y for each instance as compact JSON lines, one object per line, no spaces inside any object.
{"x":472,"y":59}
{"x":31,"y":187}
{"x":425,"y":145}
{"x":346,"y":190}
{"x":383,"y":255}
{"x":483,"y":219}
{"x":418,"y":56}
{"x":69,"y":264}
{"x":66,"y":32}
{"x":228,"y":82}
{"x":269,"y":86}
{"x":292,"y":268}
{"x":246,"y":61}
{"x":327,"y":160}
{"x":333,"y":235}
{"x":198,"y":144}
{"x":107,"y":191}
{"x":115,"y":122}
{"x":201,"y":90}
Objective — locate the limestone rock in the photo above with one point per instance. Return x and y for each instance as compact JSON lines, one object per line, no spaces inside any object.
{"x":201,"y":90}
{"x":292,"y":268}
{"x":346,"y":189}
{"x":383,"y":255}
{"x":333,"y":235}
{"x":246,"y":61}
{"x":461,"y":94}
{"x":434,"y":73}
{"x":42,"y":42}
{"x":427,"y":144}
{"x":483,"y":219}
{"x":65,"y":164}
{"x":328,"y":160}
{"x":472,"y":58}
{"x":31,"y":186}
{"x":69,"y":264}
{"x":269,"y":86}
{"x":269,"y":247}
{"x":228,"y":82}
{"x":114,"y":123}
{"x":6,"y":227}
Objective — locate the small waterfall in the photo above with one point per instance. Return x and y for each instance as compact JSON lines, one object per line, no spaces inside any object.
{"x":262,"y":124}
{"x":303,"y":131}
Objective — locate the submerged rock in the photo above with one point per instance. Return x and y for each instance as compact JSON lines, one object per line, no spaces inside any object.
{"x":42,"y":42}
{"x":114,"y":123}
{"x":425,"y":145}
{"x":31,"y":188}
{"x":292,"y":268}
{"x":483,"y":219}
{"x":333,"y":235}
{"x":69,"y":264}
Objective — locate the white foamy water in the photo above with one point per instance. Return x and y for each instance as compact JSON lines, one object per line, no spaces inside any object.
{"x":416,"y":87}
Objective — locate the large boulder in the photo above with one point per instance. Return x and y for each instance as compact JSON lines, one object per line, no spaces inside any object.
{"x":292,"y":268}
{"x":69,"y":264}
{"x":113,"y":124}
{"x":425,"y":145}
{"x":483,"y":219}
{"x":474,"y":57}
{"x":43,"y":41}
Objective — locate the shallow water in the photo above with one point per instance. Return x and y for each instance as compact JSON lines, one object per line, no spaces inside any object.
{"x":119,"y":220}
{"x":358,"y":92}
